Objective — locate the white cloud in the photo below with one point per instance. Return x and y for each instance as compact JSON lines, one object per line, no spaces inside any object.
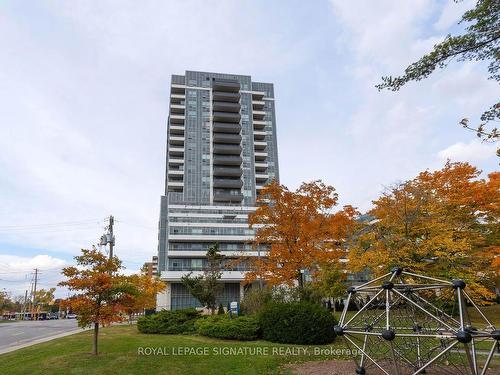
{"x":472,"y":152}
{"x":452,"y":13}
{"x":13,"y":263}
{"x":384,"y":32}
{"x":17,"y":273}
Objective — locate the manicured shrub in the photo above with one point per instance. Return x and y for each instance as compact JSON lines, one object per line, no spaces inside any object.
{"x":297,"y":323}
{"x":169,"y":322}
{"x":221,"y":326}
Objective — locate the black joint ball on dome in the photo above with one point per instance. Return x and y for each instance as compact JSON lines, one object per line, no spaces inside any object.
{"x":387,"y":285}
{"x":496,"y":334}
{"x":351,"y":290}
{"x":397,"y":270}
{"x":339,"y":331}
{"x":388,"y":334}
{"x":464,"y":337}
{"x":417,"y":328}
{"x":368,"y":328}
{"x":458,"y":284}
{"x":360,"y":370}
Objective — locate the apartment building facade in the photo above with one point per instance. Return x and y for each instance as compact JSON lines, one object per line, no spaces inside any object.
{"x":151,"y":268}
{"x":221,"y":152}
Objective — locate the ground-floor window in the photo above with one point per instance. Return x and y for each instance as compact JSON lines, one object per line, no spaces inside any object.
{"x":181,"y":298}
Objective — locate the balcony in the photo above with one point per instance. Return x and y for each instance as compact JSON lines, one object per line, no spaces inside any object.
{"x":259,"y":135}
{"x":258,"y":115}
{"x":222,"y":127}
{"x":226,"y":107}
{"x":258,"y":95}
{"x":259,"y":125}
{"x":225,"y":85}
{"x":227,"y":138}
{"x":175,"y":173}
{"x":177,"y":119}
{"x":177,"y":89}
{"x":175,"y":140}
{"x":177,"y":96}
{"x":227,"y":197}
{"x":176,"y":151}
{"x":175,"y":190}
{"x":261,"y":167}
{"x":225,"y":275}
{"x":260,"y":156}
{"x":227,"y":160}
{"x":226,"y":117}
{"x":227,"y":172}
{"x":175,"y":183}
{"x":261,"y":177}
{"x":175,"y":161}
{"x":177,"y":129}
{"x":177,"y":109}
{"x":258,"y":145}
{"x":258,"y":104}
{"x":222,"y":96}
{"x":227,"y":149}
{"x":228,"y":183}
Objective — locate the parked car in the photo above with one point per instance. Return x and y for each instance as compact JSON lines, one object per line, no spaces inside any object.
{"x":71,"y":316}
{"x":53,"y":316}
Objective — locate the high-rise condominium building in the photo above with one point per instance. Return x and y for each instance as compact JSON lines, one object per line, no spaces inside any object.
{"x":221,"y":151}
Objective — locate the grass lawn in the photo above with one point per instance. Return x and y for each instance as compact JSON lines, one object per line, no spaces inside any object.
{"x":491,"y":312}
{"x":119,"y":355}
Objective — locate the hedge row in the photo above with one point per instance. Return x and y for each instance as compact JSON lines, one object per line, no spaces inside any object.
{"x":242,"y":328}
{"x":290,"y":323}
{"x":170,"y":322}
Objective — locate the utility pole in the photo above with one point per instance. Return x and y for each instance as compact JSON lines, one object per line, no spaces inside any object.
{"x":30,"y":308}
{"x":109,"y":238}
{"x":25,"y":301}
{"x":34,"y":290}
{"x":111,"y":241}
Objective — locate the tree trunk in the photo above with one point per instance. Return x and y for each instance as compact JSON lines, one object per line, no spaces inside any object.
{"x":94,"y":344}
{"x":301,"y":280}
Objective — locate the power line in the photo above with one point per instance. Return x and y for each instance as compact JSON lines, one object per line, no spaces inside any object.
{"x":27,"y":271}
{"x":64,"y":223}
{"x":48,"y":230}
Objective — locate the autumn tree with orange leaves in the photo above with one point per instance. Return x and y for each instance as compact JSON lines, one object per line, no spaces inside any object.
{"x":147,"y":287}
{"x":443,"y":223}
{"x":299,"y":230}
{"x":102,"y":293}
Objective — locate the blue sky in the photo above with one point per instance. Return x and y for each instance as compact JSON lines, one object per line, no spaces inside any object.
{"x":84,"y":93}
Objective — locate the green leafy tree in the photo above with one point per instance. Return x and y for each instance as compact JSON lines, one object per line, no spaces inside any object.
{"x":44,"y":297}
{"x":479,"y":42}
{"x":206,"y":288}
{"x":330,"y":280}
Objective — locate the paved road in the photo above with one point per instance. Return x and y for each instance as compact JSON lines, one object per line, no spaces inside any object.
{"x":24,"y":333}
